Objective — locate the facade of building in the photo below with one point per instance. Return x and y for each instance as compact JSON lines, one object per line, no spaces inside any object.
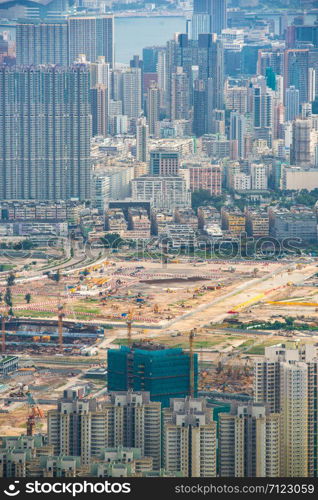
{"x":46,"y":123}
{"x":164,"y":373}
{"x":285,"y":381}
{"x":163,"y":192}
{"x":42,"y":43}
{"x":92,"y":36}
{"x":249,"y":442}
{"x":285,"y":223}
{"x":84,"y":428}
{"x":189,"y":438}
{"x":208,"y":178}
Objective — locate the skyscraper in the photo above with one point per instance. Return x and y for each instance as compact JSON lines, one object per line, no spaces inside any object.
{"x":131,"y":92}
{"x":153,"y":107}
{"x":211,"y":69}
{"x":209,"y":16}
{"x":200,"y":23}
{"x":92,"y":36}
{"x":46,"y":123}
{"x":238,"y":130}
{"x":291,"y":103}
{"x":296,"y":66}
{"x":100,"y":72}
{"x":189,"y":438}
{"x":100,"y":110}
{"x":84,"y":427}
{"x":42,"y":43}
{"x":180,"y":98}
{"x":200,"y":119}
{"x":249,"y":442}
{"x":286,"y":380}
{"x":300,"y":150}
{"x":263,"y":112}
{"x":218,"y":11}
{"x":142,"y":135}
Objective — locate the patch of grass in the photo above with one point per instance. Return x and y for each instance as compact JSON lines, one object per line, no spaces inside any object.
{"x":260,"y":348}
{"x":247,"y":343}
{"x":6,"y":267}
{"x":84,"y":309}
{"x":120,"y":341}
{"x":33,"y":314}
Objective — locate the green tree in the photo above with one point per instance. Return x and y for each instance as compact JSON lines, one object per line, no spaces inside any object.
{"x":27,"y":298}
{"x":11,"y":279}
{"x":112,"y":240}
{"x":56,"y":277}
{"x":203,"y":197}
{"x":8,"y":297}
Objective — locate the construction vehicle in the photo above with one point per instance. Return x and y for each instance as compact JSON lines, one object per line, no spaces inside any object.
{"x":35,"y":413}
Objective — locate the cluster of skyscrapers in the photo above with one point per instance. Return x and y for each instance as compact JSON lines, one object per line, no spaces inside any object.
{"x":245,"y":93}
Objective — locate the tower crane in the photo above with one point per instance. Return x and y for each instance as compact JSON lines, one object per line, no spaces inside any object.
{"x":129,"y":325}
{"x":191,"y":337}
{"x":35,"y":413}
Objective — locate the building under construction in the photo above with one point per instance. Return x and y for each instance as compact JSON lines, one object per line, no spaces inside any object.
{"x":164,"y":372}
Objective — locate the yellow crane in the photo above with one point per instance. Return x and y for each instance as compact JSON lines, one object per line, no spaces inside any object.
{"x":129,"y":325}
{"x":60,"y":325}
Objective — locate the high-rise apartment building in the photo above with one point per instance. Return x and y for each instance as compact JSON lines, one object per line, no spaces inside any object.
{"x":142,"y":135}
{"x":259,"y":179}
{"x":46,"y":123}
{"x":100,"y":72}
{"x":286,"y":381}
{"x":63,"y":41}
{"x":291,"y":103}
{"x":84,"y":428}
{"x":42,"y":43}
{"x":238,"y":131}
{"x":300,"y":150}
{"x":189,"y":438}
{"x":92,"y":36}
{"x":249,"y":442}
{"x":153,"y":107}
{"x":131,"y":92}
{"x":100,"y":111}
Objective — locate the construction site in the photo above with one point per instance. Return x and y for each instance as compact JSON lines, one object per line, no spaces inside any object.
{"x":61,"y":335}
